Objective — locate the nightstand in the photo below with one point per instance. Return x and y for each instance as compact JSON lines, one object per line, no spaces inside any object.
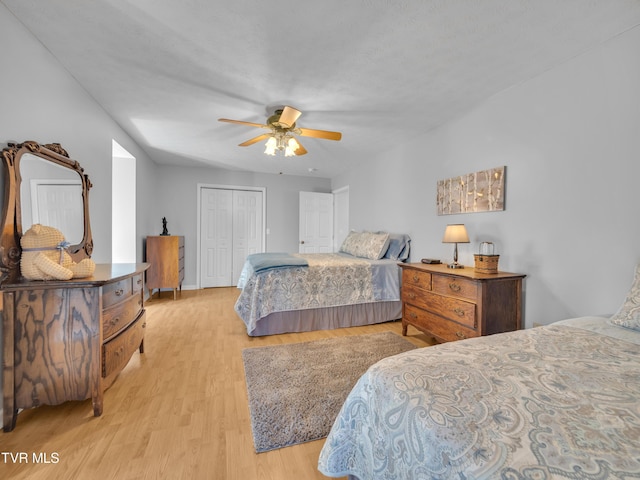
{"x":454,"y":304}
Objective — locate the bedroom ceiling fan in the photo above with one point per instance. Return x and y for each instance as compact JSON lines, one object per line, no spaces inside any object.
{"x":283,"y":128}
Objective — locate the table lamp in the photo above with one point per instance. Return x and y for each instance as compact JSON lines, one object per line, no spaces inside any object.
{"x":455,"y":233}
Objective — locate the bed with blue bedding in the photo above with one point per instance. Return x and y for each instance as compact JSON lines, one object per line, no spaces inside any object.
{"x":554,"y":402}
{"x":359,"y":285}
{"x":560,"y":401}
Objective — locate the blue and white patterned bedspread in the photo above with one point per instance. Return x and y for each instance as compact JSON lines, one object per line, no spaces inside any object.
{"x":548,"y":402}
{"x":329,"y":280}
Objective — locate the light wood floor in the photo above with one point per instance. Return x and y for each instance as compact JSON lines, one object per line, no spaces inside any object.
{"x":179,"y":411}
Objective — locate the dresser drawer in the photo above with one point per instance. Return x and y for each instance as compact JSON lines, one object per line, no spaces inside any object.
{"x":137,"y":283}
{"x":436,"y":325}
{"x":415,"y":278}
{"x":459,"y":311}
{"x":454,"y":286}
{"x":118,"y":316}
{"x":414,"y":295}
{"x":117,"y":351}
{"x":116,"y":292}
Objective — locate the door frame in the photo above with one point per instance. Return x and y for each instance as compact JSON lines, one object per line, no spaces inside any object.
{"x":340,"y":222}
{"x":200,"y":187}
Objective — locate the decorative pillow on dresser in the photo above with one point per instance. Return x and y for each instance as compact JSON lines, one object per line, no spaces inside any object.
{"x":629,"y":313}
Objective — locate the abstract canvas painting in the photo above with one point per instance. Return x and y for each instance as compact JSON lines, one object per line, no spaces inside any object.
{"x":474,"y":192}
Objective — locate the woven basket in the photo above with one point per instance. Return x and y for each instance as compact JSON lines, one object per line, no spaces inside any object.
{"x":486,"y":261}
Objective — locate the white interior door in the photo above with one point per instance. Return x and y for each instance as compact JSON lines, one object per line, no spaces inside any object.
{"x":316,"y":222}
{"x":216,"y":237}
{"x":58,"y":203}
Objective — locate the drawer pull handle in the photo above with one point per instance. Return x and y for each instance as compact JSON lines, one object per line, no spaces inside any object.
{"x":461,"y":335}
{"x":413,"y":315}
{"x":412,"y":296}
{"x":139,"y":281}
{"x":416,"y":278}
{"x":454,"y":286}
{"x":119,"y":292}
{"x":114,"y":321}
{"x":459,"y":312}
{"x":119,"y":352}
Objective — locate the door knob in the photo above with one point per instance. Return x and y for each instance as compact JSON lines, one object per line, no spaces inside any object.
{"x":301,"y":241}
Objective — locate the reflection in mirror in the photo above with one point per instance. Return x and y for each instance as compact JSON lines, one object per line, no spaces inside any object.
{"x":51,"y":194}
{"x":42,"y":185}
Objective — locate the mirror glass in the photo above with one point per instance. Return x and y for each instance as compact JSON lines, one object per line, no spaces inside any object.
{"x":42,"y":185}
{"x":51,"y":194}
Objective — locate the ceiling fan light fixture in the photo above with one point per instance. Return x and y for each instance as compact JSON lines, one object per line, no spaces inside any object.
{"x":283,"y":127}
{"x":283,"y":143}
{"x":271,"y":146}
{"x":292,"y":146}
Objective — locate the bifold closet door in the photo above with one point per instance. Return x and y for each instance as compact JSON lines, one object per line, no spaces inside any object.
{"x":231,"y":227}
{"x":247,"y":228}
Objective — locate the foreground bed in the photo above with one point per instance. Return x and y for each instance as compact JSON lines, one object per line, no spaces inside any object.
{"x":302,"y":292}
{"x":561,"y":401}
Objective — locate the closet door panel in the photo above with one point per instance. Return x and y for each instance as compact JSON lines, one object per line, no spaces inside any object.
{"x":216,"y":240}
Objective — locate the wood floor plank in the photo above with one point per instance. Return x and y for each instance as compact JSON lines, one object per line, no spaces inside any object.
{"x":180,"y":410}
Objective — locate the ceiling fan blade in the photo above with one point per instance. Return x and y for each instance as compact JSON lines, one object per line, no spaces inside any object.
{"x":325,"y":134}
{"x":300,"y":150}
{"x":253,"y":140}
{"x":240,"y":122}
{"x":288,"y":117}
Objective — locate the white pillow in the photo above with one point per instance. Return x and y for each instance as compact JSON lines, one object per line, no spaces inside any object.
{"x":350,"y":244}
{"x":366,"y":244}
{"x":628,"y":315}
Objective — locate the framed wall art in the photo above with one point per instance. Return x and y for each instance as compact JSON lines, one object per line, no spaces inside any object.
{"x":474,"y":192}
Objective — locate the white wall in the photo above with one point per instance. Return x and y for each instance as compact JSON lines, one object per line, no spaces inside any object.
{"x":570,"y":139}
{"x":176,"y":199}
{"x":40,"y":101}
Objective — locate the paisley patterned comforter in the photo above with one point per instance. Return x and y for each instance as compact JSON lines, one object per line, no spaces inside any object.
{"x":329,"y":280}
{"x":548,"y":402}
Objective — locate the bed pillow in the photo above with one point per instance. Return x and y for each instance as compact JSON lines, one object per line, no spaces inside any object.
{"x":628,"y":315}
{"x":399,"y":244}
{"x":350,"y":244}
{"x":366,"y":244}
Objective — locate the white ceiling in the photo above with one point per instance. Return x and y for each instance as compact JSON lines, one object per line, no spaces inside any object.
{"x":375,"y":70}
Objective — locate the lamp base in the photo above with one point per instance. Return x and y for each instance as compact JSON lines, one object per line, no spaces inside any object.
{"x":455,"y":265}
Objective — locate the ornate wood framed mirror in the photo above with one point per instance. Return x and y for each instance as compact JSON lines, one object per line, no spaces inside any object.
{"x":42,"y":185}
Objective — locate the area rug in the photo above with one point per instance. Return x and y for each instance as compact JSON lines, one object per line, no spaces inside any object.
{"x":296,"y":390}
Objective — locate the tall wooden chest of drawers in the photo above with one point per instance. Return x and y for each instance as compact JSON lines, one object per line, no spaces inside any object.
{"x":453,"y":304}
{"x":68,"y":340}
{"x":165,"y":253}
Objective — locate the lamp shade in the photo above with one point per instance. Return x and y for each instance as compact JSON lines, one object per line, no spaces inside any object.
{"x":455,"y":233}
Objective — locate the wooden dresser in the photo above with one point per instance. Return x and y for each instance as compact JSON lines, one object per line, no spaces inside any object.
{"x":68,"y":340}
{"x":165,"y":254}
{"x":453,"y":304}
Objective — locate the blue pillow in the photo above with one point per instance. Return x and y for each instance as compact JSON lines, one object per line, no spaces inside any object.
{"x":399,"y":246}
